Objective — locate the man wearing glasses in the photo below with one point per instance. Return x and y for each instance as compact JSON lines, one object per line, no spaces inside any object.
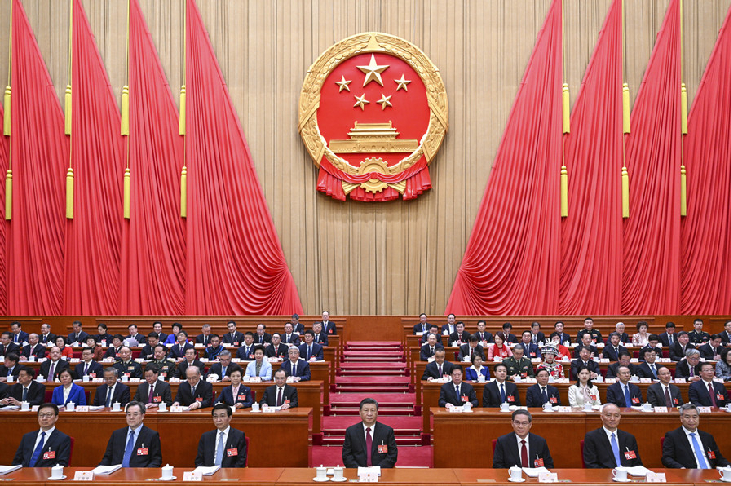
{"x":135,"y":445}
{"x":521,"y":448}
{"x":46,"y":447}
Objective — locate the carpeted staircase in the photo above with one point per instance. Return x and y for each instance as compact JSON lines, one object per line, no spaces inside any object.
{"x":373,"y":370}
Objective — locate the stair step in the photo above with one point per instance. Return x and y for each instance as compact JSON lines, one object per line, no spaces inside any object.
{"x":383,"y":399}
{"x":401,"y":425}
{"x":371,"y":380}
{"x":369,"y":373}
{"x":337,"y":440}
{"x":374,"y":365}
{"x":384,"y":344}
{"x":382,"y":412}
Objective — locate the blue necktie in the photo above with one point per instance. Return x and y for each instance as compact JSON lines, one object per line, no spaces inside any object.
{"x":699,"y":452}
{"x":128,"y":450}
{"x":25,"y":394}
{"x":219,"y":453}
{"x":108,"y":402}
{"x":37,"y":451}
{"x":627,"y":400}
{"x":615,"y":450}
{"x":502,"y":393}
{"x":544,"y":396}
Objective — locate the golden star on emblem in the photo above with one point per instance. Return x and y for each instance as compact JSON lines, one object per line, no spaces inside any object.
{"x":384,"y":101}
{"x":361,"y":101}
{"x":344,"y":84}
{"x":402,"y":83}
{"x":373,"y":71}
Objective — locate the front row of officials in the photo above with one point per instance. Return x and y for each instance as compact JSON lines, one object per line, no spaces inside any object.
{"x":371,"y":443}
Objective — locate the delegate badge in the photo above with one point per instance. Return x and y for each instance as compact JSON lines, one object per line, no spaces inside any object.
{"x":372,"y":115}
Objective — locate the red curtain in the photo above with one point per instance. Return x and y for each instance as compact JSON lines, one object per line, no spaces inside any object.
{"x":591,"y":235}
{"x":153,"y":259}
{"x":651,"y":273}
{"x":706,"y":231}
{"x":40,"y":155}
{"x":93,"y":237}
{"x":235,"y":261}
{"x":4,"y":160}
{"x":511,"y":265}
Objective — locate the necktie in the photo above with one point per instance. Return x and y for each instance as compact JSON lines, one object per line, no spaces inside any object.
{"x":38,"y":449}
{"x":440,"y":371}
{"x":108,"y":402}
{"x":502,"y":393}
{"x":431,"y":353}
{"x":219,"y":451}
{"x":279,"y":397}
{"x":294,"y":370}
{"x":692,"y":370}
{"x":192,"y":390}
{"x":51,"y":372}
{"x":128,"y":450}
{"x":699,"y":454}
{"x":710,"y":392}
{"x":25,"y":394}
{"x":523,"y":454}
{"x":456,"y":389}
{"x":670,"y":339}
{"x":627,"y":400}
{"x":86,"y":369}
{"x":668,"y":402}
{"x":535,"y":338}
{"x":223,"y":371}
{"x":309,"y":352}
{"x":149,"y":395}
{"x":615,"y":450}
{"x":369,"y":447}
{"x":544,"y":396}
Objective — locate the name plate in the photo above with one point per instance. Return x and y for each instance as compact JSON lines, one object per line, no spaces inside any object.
{"x":192,"y":475}
{"x":661,"y":409}
{"x":82,"y":408}
{"x":84,"y":476}
{"x":655,"y":477}
{"x":704,"y":409}
{"x":547,"y":477}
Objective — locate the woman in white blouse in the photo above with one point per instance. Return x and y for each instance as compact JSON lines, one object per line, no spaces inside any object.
{"x":640,"y":339}
{"x":584,"y":391}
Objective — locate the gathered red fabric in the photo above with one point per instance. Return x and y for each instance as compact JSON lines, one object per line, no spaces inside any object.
{"x":153,"y":256}
{"x":651,"y":271}
{"x":511,"y":265}
{"x":94,"y":236}
{"x":235,"y":260}
{"x":591,"y":235}
{"x":706,"y":231}
{"x":40,"y":154}
{"x":4,"y":161}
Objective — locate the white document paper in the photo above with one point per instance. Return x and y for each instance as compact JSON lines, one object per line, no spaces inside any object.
{"x":106,"y":469}
{"x":533,"y":472}
{"x":637,"y":470}
{"x":207,"y":470}
{"x":8,"y":469}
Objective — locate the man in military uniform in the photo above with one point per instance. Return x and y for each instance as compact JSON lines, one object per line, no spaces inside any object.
{"x":166,"y":366}
{"x":126,"y":366}
{"x":518,"y":364}
{"x":697,"y":336}
{"x":596,"y":336}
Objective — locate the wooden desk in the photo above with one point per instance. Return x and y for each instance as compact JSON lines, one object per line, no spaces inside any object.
{"x":582,"y":476}
{"x":393,"y":477}
{"x":464,"y":432}
{"x":270,"y":435}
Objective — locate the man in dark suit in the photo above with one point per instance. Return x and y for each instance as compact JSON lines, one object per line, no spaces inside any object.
{"x":88,"y":367}
{"x":157,"y":329}
{"x":191,"y":359}
{"x":459,"y":336}
{"x":369,"y":442}
{"x":152,"y":392}
{"x":34,"y":348}
{"x":450,"y":326}
{"x":624,"y":360}
{"x":148,"y":350}
{"x":623,"y":393}
{"x":613,"y":348}
{"x":422,"y":326}
{"x":135,"y":445}
{"x":277,"y":349}
{"x":530,"y":350}
{"x":586,"y":342}
{"x":117,"y":343}
{"x":46,"y":337}
{"x":508,"y":331}
{"x":7,"y":345}
{"x":310,"y":350}
{"x":4,"y":390}
{"x":439,"y":368}
{"x":25,"y":389}
{"x":682,"y":448}
{"x":225,"y":446}
{"x":648,"y":368}
{"x":668,"y":338}
{"x":9,"y":369}
{"x":726,"y":334}
{"x":280,"y":394}
{"x":290,"y":336}
{"x":126,"y":366}
{"x":483,"y":337}
{"x":224,"y":367}
{"x":456,"y":393}
{"x":521,"y":448}
{"x":328,"y":326}
{"x":664,"y":393}
{"x":214,"y":348}
{"x":112,"y":391}
{"x":19,"y":336}
{"x":690,"y":366}
{"x":433,"y":330}
{"x":711,"y":351}
{"x":262,"y":337}
{"x":54,"y":365}
{"x":78,"y":335}
{"x":233,"y":337}
{"x":181,"y":346}
{"x":194,"y":393}
{"x":52,"y":448}
{"x":296,"y":366}
{"x":204,"y":337}
{"x":320,"y":335}
{"x":558,"y":329}
{"x":470,"y":348}
{"x":297,"y":326}
{"x":706,"y":392}
{"x":430,"y":348}
{"x":608,"y":447}
{"x":537,"y":337}
{"x":541,"y":393}
{"x":681,"y":345}
{"x":500,"y":391}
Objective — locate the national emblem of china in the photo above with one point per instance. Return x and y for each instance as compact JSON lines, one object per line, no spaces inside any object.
{"x":373,"y":114}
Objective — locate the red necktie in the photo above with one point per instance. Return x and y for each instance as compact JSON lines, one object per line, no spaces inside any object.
{"x":523,"y":454}
{"x":710,"y":392}
{"x":279,"y":398}
{"x":149,"y":396}
{"x":668,"y":402}
{"x":369,"y":447}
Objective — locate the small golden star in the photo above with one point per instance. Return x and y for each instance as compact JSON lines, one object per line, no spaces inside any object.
{"x":344,"y":84}
{"x":373,"y":71}
{"x":402,"y":83}
{"x":361,"y":101}
{"x":384,"y":101}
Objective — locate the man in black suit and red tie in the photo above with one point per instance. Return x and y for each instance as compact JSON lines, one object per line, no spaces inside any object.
{"x":706,"y":392}
{"x":152,"y":392}
{"x":280,"y":394}
{"x":521,"y":448}
{"x":46,"y":447}
{"x":134,"y":445}
{"x":369,"y":442}
{"x":689,"y":448}
{"x":608,"y":447}
{"x":225,"y":446}
{"x":500,"y":391}
{"x":7,"y":345}
{"x":34,"y":348}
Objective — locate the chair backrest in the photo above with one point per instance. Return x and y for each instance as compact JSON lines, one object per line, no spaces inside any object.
{"x":246,"y":462}
{"x":87,"y":393}
{"x":494,"y":444}
{"x":49,"y":396}
{"x":71,"y":450}
{"x":662,"y":445}
{"x":583,"y":463}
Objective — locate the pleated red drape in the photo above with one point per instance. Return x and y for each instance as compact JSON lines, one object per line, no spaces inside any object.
{"x":591,"y":235}
{"x":511,"y":265}
{"x":40,"y":154}
{"x":651,"y":273}
{"x":4,"y":161}
{"x":235,"y":261}
{"x":706,"y":231}
{"x":153,"y":261}
{"x":94,"y":236}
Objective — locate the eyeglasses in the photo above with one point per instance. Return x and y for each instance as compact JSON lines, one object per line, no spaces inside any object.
{"x":46,"y":415}
{"x":522,"y":424}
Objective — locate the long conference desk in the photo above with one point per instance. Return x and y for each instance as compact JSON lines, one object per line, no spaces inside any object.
{"x":465,"y":439}
{"x":276,"y":439}
{"x":295,"y":476}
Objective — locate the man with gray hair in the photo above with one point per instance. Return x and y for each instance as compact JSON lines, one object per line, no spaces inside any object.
{"x":690,"y":366}
{"x":689,"y":448}
{"x":194,"y":393}
{"x":112,"y":391}
{"x":608,"y":447}
{"x":296,"y":367}
{"x":521,"y":448}
{"x":223,"y":367}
